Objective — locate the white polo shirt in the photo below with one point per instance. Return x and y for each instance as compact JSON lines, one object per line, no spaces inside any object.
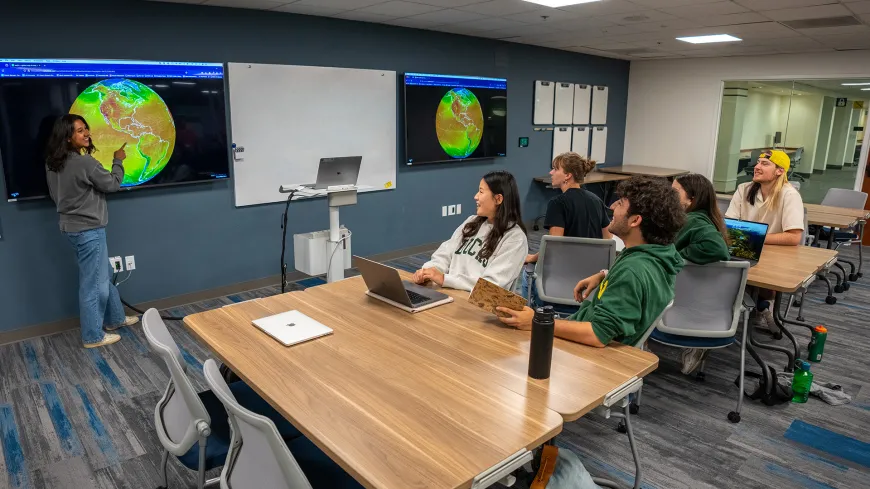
{"x":789,"y":214}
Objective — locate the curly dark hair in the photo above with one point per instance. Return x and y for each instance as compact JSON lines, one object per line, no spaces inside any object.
{"x":658,"y":205}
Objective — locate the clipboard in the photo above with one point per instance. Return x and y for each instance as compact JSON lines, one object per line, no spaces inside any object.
{"x":564,"y":110}
{"x":544,"y":102}
{"x":582,"y":104}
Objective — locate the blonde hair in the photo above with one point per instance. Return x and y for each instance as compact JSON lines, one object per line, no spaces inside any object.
{"x":575,"y":165}
{"x":775,"y":196}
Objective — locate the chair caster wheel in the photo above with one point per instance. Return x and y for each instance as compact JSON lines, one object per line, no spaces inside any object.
{"x":621,"y":427}
{"x":847,"y":286}
{"x":701,"y":377}
{"x":859,"y":274}
{"x":830,"y":299}
{"x":838,"y":289}
{"x":801,"y":319}
{"x":853,"y":277}
{"x":777,"y":336}
{"x":796,"y":303}
{"x":633,"y":408}
{"x":734,"y":417}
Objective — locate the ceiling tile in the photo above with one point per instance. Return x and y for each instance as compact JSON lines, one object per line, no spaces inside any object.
{"x":523,"y":30}
{"x":862,"y":7}
{"x":731,"y":19}
{"x":543,"y":15}
{"x":759,"y":5}
{"x":489,"y":24}
{"x":846,"y":42}
{"x":637,"y":17}
{"x":448,"y":16}
{"x":411,"y":22}
{"x":704,"y":9}
{"x":338,"y":4}
{"x":255,"y":4}
{"x":665,"y":25}
{"x":360,"y":16}
{"x":400,"y":9}
{"x":669,"y":3}
{"x":817,"y":12}
{"x":448,"y":3}
{"x":865,"y":18}
{"x":501,"y":7}
{"x":597,"y":9}
{"x":856,"y":31}
{"x":296,"y":8}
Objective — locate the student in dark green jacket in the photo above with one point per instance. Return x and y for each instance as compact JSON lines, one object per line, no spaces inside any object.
{"x":639,"y":285}
{"x":704,"y":238}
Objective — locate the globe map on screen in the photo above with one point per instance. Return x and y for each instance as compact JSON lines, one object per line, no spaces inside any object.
{"x":459,"y":122}
{"x":120,"y":110}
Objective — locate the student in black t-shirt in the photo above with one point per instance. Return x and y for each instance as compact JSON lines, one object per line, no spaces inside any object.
{"x":577,"y":212}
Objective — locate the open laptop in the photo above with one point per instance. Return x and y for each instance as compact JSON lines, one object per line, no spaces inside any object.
{"x":747,"y":239}
{"x":386,"y":285}
{"x":336,"y":172}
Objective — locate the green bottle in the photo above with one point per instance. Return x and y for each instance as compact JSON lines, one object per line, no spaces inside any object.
{"x":817,"y":343}
{"x":803,"y":379}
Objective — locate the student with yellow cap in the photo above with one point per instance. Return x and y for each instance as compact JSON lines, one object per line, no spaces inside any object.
{"x":770,"y":199}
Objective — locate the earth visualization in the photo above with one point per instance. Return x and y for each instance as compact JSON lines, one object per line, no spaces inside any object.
{"x":121,"y":110}
{"x":459,"y":122}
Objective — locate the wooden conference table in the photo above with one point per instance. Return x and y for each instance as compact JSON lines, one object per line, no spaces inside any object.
{"x":400,"y":400}
{"x":650,"y":171}
{"x":786,"y":270}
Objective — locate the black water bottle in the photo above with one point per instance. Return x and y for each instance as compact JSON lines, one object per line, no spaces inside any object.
{"x":541,"y":350}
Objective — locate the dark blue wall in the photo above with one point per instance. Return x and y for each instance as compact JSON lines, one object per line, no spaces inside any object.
{"x":192,"y":238}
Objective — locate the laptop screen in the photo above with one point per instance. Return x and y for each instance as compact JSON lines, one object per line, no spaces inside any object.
{"x":747,"y":238}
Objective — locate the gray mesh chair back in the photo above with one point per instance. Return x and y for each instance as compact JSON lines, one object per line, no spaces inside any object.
{"x":258,"y":456}
{"x":655,"y":324}
{"x":180,"y":411}
{"x":564,"y":261}
{"x":841,"y":197}
{"x":707,"y":300}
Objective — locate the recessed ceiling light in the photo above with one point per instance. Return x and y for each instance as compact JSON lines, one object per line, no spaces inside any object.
{"x":856,"y":84}
{"x":708,"y":39}
{"x":865,"y":89}
{"x":560,"y":3}
{"x":757,"y":87}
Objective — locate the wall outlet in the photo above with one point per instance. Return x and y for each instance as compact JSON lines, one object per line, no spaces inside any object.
{"x":458,"y":209}
{"x":131,"y":263}
{"x":116,"y":264}
{"x":443,"y":211}
{"x":451,"y":210}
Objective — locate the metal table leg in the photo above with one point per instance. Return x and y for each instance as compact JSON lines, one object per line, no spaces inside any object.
{"x":777,"y":317}
{"x":765,"y":371}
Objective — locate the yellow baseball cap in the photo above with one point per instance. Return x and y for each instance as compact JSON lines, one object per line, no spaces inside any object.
{"x":778,"y":158}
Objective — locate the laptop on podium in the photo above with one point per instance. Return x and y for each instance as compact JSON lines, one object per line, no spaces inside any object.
{"x":336,"y":172}
{"x":747,"y":239}
{"x":385,"y":284}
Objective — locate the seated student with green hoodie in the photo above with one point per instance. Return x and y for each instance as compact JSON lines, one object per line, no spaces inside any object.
{"x":640,"y":284}
{"x":703,"y":240}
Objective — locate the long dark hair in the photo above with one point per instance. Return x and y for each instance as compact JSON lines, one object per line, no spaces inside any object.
{"x":59,"y":145}
{"x":703,"y":197}
{"x":507,"y":215}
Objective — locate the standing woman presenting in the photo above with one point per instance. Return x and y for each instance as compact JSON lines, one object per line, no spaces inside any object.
{"x":78,"y":185}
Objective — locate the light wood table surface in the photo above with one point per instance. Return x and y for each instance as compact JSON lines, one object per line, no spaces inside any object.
{"x":592,"y":177}
{"x":861,"y":214}
{"x":412,"y":400}
{"x":786,"y":268}
{"x":838,"y":221}
{"x":649,"y":171}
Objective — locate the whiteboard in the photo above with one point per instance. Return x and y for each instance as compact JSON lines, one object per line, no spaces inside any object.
{"x":561,"y":140}
{"x":544,"y":98}
{"x":599,"y":144}
{"x":599,"y":105}
{"x":289,"y":117}
{"x":564,"y":110}
{"x":582,"y":103}
{"x":580,"y":141}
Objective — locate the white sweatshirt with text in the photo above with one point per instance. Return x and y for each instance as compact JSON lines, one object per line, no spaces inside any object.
{"x":458,"y":259}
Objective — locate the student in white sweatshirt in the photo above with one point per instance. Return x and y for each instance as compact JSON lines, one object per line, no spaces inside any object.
{"x":491,"y":245}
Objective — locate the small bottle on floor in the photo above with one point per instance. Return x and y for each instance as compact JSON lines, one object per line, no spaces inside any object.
{"x":803,"y":381}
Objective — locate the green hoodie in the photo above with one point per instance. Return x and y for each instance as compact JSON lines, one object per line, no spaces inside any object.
{"x":638,"y":287}
{"x":699,"y":241}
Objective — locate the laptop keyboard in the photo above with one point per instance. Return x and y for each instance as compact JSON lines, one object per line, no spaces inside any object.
{"x":416,"y":298}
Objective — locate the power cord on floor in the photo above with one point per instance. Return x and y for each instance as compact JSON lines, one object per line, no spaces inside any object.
{"x":130,"y":306}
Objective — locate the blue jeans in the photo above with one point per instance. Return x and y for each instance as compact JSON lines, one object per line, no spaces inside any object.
{"x":99,"y":301}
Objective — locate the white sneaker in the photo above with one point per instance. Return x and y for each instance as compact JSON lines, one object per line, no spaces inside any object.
{"x":766,"y":321}
{"x":128,"y":321}
{"x":108,"y":339}
{"x":692,"y":359}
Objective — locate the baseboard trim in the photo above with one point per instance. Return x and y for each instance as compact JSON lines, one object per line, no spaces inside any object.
{"x":834,"y":167}
{"x":805,"y":175}
{"x":63,"y":325}
{"x":818,"y":172}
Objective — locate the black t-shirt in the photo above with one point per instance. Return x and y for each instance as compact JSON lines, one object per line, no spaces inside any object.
{"x":580,"y":212}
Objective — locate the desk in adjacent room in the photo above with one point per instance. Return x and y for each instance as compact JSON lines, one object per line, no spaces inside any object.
{"x":649,"y":171}
{"x":432,"y":399}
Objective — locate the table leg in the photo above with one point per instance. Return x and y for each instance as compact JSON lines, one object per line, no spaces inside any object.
{"x":777,"y":318}
{"x":765,"y":372}
{"x":860,"y":246}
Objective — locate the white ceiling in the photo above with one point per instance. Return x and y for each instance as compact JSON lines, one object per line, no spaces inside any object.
{"x":626,"y":29}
